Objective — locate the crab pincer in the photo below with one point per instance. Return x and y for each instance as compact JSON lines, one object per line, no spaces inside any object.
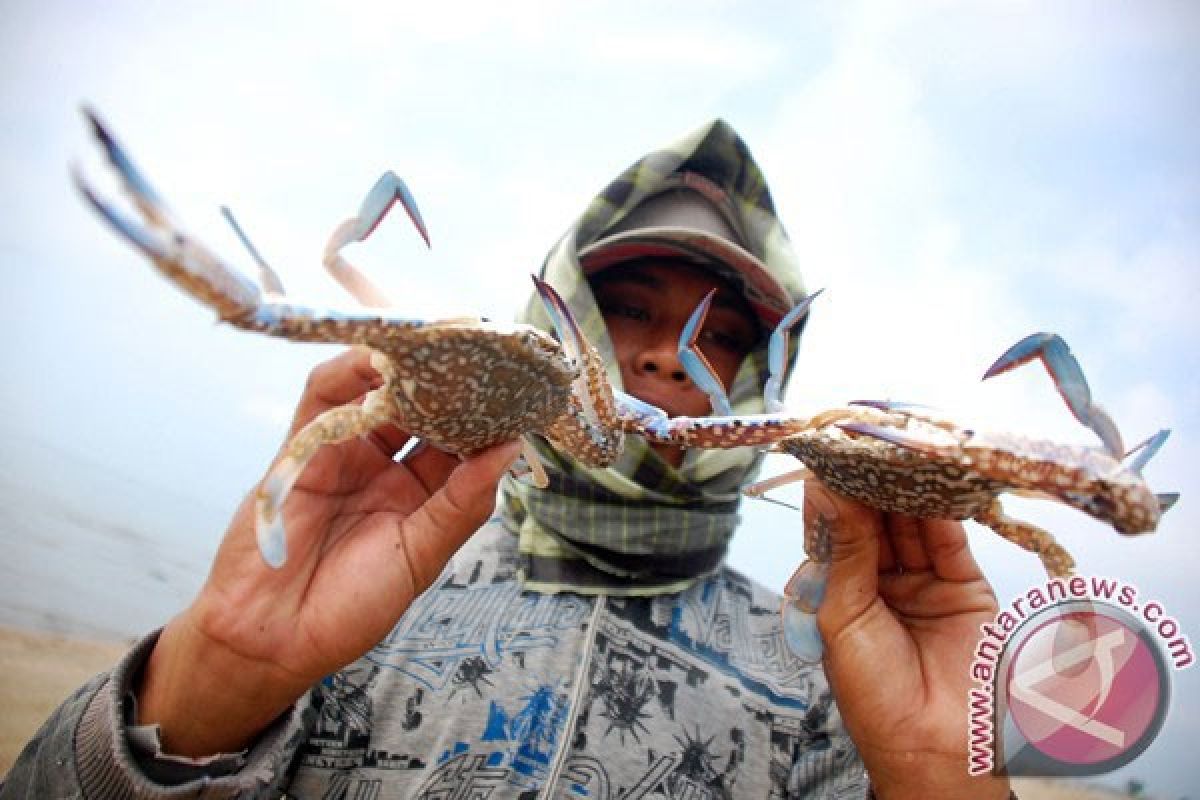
{"x":1068,"y":378}
{"x":387,"y":191}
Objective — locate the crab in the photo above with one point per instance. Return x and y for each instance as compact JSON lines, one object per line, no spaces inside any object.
{"x":903,"y":458}
{"x":461,"y":384}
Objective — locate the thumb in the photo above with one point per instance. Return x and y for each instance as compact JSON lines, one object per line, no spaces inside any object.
{"x":846,"y":534}
{"x":436,"y":530}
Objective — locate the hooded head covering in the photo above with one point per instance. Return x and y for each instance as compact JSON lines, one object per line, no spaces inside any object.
{"x":642,"y":526}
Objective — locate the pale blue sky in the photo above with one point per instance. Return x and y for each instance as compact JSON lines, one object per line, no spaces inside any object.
{"x":956,"y":177}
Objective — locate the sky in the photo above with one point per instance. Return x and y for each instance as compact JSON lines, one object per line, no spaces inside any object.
{"x":956,"y":176}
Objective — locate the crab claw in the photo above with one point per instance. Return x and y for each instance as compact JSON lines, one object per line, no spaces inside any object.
{"x":569,"y":335}
{"x":135,"y":232}
{"x":140,"y":191}
{"x":591,"y":386}
{"x":386,"y":192}
{"x":143,"y":195}
{"x":178,"y":257}
{"x":1068,"y":379}
{"x":705,"y":377}
{"x":696,"y":365}
{"x":777,"y":351}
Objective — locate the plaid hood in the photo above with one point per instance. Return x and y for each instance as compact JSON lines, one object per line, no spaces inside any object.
{"x":641,"y":526}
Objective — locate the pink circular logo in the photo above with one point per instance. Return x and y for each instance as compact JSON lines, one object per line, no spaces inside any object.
{"x":1087,"y":688}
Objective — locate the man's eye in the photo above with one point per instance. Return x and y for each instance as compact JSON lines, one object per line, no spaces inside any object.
{"x":725,"y":340}
{"x":625,"y":310}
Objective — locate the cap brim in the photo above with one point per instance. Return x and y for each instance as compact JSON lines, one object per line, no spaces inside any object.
{"x":766,"y":295}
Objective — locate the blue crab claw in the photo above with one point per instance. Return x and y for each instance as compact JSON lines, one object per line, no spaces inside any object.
{"x":1167,"y":501}
{"x":179,"y":258}
{"x":1068,"y":379}
{"x":569,"y":335}
{"x":387,"y":191}
{"x":135,"y":232}
{"x":705,"y":377}
{"x":564,"y":322}
{"x":696,"y":365}
{"x":590,"y":386}
{"x":139,"y":189}
{"x":777,"y":352}
{"x":802,"y":597}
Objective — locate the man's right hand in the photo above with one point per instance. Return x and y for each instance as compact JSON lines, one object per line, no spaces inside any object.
{"x":366,"y":535}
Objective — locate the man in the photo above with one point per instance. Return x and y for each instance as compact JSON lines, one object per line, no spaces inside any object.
{"x":586,"y":643}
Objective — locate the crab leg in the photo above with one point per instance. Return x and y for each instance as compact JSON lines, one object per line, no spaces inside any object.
{"x":893,"y":436}
{"x":1055,"y":559}
{"x":761,"y":488}
{"x":800,"y":632}
{"x":335,"y":425}
{"x":801,"y":598}
{"x":177,"y":256}
{"x":803,"y":594}
{"x":1148,"y":449}
{"x":1135,"y":460}
{"x":386,"y":192}
{"x":912,"y":409}
{"x":192,"y":267}
{"x":1166,"y":500}
{"x":1068,"y":379}
{"x":267,"y":277}
{"x":536,"y":469}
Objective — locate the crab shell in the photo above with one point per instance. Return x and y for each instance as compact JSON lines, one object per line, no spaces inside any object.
{"x":959,"y":473}
{"x":467,"y":386}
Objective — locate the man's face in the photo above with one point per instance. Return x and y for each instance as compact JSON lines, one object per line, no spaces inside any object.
{"x":646,"y":307}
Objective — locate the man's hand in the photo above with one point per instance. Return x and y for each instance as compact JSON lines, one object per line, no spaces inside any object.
{"x":900,"y":621}
{"x":366,"y":536}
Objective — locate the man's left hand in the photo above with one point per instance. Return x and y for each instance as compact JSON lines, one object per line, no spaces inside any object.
{"x":900,"y":620}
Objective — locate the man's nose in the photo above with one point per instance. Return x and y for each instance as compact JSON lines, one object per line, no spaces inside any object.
{"x":660,"y":357}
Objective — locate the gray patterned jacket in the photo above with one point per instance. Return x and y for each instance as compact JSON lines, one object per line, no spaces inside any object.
{"x":484,"y":691}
